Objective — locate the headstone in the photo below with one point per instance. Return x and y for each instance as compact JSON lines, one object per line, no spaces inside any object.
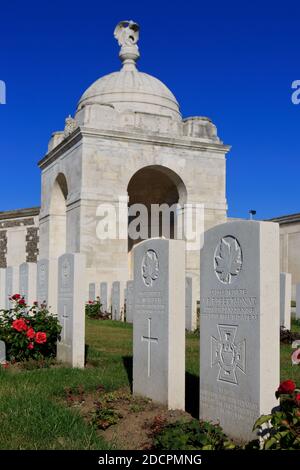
{"x":92,"y":291}
{"x":239,"y":325}
{"x":103,"y":296}
{"x":2,"y":288}
{"x":298,"y":301}
{"x":116,"y":301}
{"x":11,"y":284}
{"x":27,"y":282}
{"x":2,"y":352}
{"x":190,"y":304}
{"x":47,"y":270}
{"x":71,"y":309}
{"x":129,"y":302}
{"x":158,"y":321}
{"x":285,"y":299}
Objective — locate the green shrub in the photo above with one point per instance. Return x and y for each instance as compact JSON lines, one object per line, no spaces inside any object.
{"x":93,"y":310}
{"x":28,"y":332}
{"x":191,"y":435}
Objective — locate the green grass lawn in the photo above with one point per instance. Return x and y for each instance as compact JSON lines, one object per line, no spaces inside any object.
{"x":34,"y":416}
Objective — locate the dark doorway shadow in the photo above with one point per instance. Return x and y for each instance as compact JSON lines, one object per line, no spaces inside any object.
{"x":192,"y":394}
{"x":127,"y":361}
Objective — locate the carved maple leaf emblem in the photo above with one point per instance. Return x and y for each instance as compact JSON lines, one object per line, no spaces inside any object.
{"x":228,"y":259}
{"x":150,"y":267}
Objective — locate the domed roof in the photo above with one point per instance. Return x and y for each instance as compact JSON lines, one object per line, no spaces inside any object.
{"x":130,"y":89}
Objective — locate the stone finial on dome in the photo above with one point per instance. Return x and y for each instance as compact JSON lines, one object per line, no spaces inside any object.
{"x":127,"y":35}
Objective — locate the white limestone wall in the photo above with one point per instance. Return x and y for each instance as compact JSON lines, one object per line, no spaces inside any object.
{"x":16,"y":246}
{"x":108,"y":165}
{"x":98,"y":169}
{"x":289,"y":252}
{"x":51,"y":235}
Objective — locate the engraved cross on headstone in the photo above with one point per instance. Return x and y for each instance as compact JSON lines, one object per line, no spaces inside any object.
{"x":65,"y":316}
{"x":148,"y":339}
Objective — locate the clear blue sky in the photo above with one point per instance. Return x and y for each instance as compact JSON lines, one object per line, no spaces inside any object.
{"x":231,"y":61}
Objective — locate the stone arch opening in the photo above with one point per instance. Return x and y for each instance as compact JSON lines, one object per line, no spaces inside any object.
{"x":154,"y":186}
{"x":58,"y":217}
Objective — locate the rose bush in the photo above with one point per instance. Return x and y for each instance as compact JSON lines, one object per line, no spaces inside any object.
{"x":281,"y":429}
{"x":29,"y":332}
{"x":93,"y":310}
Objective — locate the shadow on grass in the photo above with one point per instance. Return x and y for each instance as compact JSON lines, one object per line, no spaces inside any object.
{"x":192,"y":394}
{"x":127,"y":361}
{"x":191,"y":388}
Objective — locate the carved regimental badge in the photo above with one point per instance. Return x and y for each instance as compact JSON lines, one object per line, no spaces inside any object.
{"x":150,"y":268}
{"x":228,"y":259}
{"x":228,"y":355}
{"x":65,"y":273}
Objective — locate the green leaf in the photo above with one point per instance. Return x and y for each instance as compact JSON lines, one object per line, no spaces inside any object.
{"x":261,"y":420}
{"x":270,"y":442}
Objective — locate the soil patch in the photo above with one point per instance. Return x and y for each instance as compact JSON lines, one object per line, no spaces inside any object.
{"x":124,"y":421}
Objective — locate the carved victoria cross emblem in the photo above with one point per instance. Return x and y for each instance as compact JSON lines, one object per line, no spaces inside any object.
{"x":228,"y":259}
{"x":228,"y":355}
{"x":150,"y":268}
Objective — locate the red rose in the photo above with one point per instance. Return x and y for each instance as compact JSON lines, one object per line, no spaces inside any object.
{"x":22,"y":302}
{"x":30,"y":346}
{"x":40,"y":337}
{"x":30,"y":333}
{"x":16,"y":297}
{"x":286,"y":387}
{"x":19,"y":325}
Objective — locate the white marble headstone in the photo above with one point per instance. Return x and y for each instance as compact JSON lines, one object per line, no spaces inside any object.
{"x":285,"y":299}
{"x":2,"y":352}
{"x":11,"y":284}
{"x":2,"y":288}
{"x":27,"y":282}
{"x":129,"y":302}
{"x":47,"y":270}
{"x":71,"y":309}
{"x":103,"y":296}
{"x":116,"y":301}
{"x":239,"y":325}
{"x":158,"y":321}
{"x":92,"y":291}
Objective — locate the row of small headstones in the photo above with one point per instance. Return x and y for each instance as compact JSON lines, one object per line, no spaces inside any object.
{"x":38,"y":282}
{"x":285,"y":296}
{"x":122,"y":308}
{"x":239,"y":323}
{"x":32,"y":281}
